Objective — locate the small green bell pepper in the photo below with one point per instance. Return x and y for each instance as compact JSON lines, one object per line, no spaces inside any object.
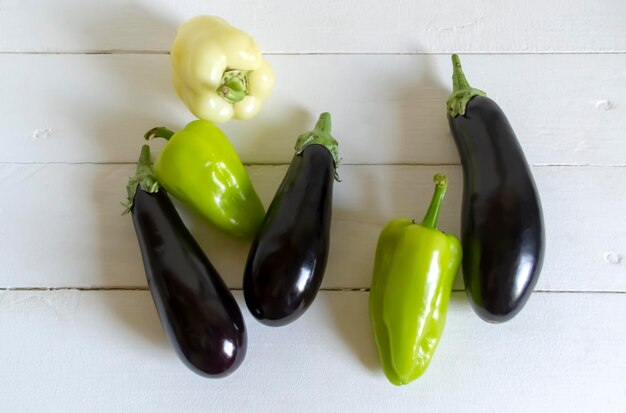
{"x":200,"y":167}
{"x":414,"y":270}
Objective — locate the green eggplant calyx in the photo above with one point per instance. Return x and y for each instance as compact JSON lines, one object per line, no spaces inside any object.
{"x":441,"y":184}
{"x":320,"y":135}
{"x":462,"y":92}
{"x":144,"y":178}
{"x":234,"y":86}
{"x":159,"y":132}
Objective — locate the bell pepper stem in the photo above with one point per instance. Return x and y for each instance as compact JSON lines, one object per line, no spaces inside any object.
{"x":144,"y":178}
{"x":159,"y":132}
{"x":441,"y":184}
{"x":234,"y":85}
{"x":462,"y":92}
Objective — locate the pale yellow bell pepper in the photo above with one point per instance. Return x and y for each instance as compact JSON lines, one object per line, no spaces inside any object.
{"x":219,"y":71}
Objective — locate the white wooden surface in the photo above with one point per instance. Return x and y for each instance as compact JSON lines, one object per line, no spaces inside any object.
{"x":105,"y":351}
{"x":103,"y":248}
{"x":80,"y":332}
{"x":566,"y":109}
{"x":321,"y":26}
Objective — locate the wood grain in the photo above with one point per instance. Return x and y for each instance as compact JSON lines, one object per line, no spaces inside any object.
{"x":566,"y":109}
{"x":322,"y":26}
{"x":80,"y":82}
{"x":105,"y":351}
{"x":61,"y":225}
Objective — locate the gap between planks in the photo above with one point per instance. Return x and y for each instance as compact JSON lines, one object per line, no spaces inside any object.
{"x":335,"y":289}
{"x":330,"y":53}
{"x":567,"y":165}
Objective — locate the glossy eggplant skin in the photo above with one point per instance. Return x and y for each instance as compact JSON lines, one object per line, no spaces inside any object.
{"x":288,"y":257}
{"x":502,"y":221}
{"x":196,"y":308}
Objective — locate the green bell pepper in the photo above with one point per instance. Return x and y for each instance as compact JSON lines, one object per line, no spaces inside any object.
{"x":414,"y":269}
{"x":200,"y":167}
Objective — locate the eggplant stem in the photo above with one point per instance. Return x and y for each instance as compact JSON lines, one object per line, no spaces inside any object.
{"x":143,"y":179}
{"x":320,"y":135}
{"x":459,"y":81}
{"x":462,"y":92}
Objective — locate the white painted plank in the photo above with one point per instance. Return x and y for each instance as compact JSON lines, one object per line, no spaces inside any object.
{"x":60,"y":225}
{"x":386,"y":109}
{"x":322,"y":25}
{"x":105,"y":351}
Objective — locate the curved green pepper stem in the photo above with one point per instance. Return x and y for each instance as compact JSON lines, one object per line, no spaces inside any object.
{"x":441,"y":184}
{"x":320,"y":135}
{"x":159,"y":132}
{"x":462,"y":92}
{"x":144,"y":177}
{"x":234,"y":85}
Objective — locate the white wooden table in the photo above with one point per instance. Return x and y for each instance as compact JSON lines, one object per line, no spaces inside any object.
{"x":80,"y":82}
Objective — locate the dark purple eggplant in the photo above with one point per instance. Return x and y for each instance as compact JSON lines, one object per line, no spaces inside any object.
{"x":502,"y":222}
{"x":288,"y":257}
{"x":196,"y":308}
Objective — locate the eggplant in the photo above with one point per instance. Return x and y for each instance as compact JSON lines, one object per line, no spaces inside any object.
{"x":502,"y":221}
{"x":197,"y":310}
{"x":288,"y":256}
